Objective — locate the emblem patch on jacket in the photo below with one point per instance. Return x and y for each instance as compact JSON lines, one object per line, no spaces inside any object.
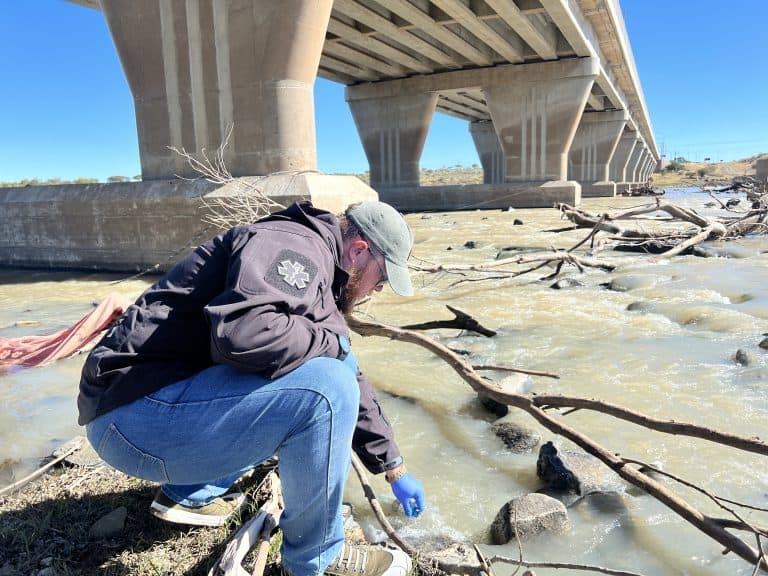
{"x":291,"y":272}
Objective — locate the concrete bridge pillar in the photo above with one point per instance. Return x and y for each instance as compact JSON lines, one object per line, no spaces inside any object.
{"x":536,"y":113}
{"x":489,"y":150}
{"x":642,"y":166}
{"x":634,"y":162}
{"x":620,"y":161}
{"x":593,"y":147}
{"x":393,"y":130}
{"x":198,"y":67}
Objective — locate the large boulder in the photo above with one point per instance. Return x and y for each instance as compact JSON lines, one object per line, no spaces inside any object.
{"x":576,"y":472}
{"x":526,"y":516}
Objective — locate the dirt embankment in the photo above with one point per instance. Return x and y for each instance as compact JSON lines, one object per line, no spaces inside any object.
{"x":705,"y":173}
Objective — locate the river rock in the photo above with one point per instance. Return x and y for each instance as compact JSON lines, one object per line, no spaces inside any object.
{"x":742,"y":357}
{"x":566,"y":283}
{"x":517,"y":438}
{"x":577,"y":472}
{"x":455,"y":557}
{"x":632,"y":282}
{"x":526,"y":516}
{"x":764,"y":344}
{"x":492,"y":405}
{"x":109,"y":525}
{"x":640,"y":306}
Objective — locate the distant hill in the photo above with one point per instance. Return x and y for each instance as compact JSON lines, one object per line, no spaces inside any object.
{"x":710,"y":172}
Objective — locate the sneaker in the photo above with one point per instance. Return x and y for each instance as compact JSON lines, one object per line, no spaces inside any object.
{"x":366,"y":560}
{"x":215,"y":513}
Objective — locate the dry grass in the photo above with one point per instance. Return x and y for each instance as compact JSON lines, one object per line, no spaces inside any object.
{"x":717,"y":173}
{"x":47,"y":523}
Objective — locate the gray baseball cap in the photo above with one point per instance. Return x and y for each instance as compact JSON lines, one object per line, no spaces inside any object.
{"x":386,"y":228}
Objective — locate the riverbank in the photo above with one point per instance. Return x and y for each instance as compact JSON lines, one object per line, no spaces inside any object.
{"x":90,"y":519}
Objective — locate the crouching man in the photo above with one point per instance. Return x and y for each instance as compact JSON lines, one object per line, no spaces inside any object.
{"x":240,"y":352}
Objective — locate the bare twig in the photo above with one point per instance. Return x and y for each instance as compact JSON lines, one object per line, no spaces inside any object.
{"x":77,"y":444}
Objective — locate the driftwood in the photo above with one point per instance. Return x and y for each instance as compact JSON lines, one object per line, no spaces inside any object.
{"x":461,"y":321}
{"x":535,"y":406}
{"x":671,"y":243}
{"x":255,"y":532}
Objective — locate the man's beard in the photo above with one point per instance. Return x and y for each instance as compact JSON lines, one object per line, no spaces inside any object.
{"x":349,"y":297}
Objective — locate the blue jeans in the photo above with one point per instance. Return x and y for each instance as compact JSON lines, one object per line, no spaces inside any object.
{"x":198,"y":436}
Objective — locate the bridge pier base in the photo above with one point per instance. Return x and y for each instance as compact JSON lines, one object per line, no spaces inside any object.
{"x":536,"y":113}
{"x":393,"y":130}
{"x":592,"y":149}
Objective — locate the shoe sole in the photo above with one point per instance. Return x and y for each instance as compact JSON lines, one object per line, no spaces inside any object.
{"x":190,"y":518}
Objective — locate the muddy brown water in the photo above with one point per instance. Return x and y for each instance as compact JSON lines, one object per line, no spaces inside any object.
{"x":671,"y":355}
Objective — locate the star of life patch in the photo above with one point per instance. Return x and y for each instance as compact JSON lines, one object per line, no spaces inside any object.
{"x":291,"y":273}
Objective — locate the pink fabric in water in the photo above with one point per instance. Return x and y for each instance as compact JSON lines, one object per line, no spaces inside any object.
{"x":38,"y":350}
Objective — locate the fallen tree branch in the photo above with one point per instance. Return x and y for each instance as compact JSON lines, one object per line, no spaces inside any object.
{"x":461,"y":321}
{"x":612,"y":460}
{"x":256,"y":532}
{"x":77,"y":444}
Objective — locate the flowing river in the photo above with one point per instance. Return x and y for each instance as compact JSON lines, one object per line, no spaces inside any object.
{"x":657,"y":336}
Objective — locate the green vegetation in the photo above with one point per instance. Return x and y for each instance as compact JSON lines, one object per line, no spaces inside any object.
{"x":675,"y":165}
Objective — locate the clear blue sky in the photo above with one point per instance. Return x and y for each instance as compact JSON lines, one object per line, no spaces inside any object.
{"x":66,"y":111}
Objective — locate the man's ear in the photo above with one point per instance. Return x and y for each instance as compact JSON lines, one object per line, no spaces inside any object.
{"x":355,"y":249}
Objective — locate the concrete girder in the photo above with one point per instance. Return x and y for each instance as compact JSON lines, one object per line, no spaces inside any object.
{"x":544,"y":44}
{"x":367,"y":42}
{"x":509,"y":48}
{"x":384,"y":26}
{"x":340,"y":51}
{"x":446,"y":36}
{"x":593,"y":147}
{"x":566,"y":20}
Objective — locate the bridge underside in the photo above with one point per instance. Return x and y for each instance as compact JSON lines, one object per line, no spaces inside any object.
{"x":548,"y":88}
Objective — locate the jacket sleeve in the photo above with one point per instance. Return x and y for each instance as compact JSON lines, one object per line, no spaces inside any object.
{"x":277,"y":309}
{"x":374,"y":439}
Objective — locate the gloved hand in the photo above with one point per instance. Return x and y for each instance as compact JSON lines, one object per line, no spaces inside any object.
{"x":410,"y":493}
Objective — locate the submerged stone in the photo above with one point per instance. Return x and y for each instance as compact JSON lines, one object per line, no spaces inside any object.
{"x":526,"y":516}
{"x":516,"y":437}
{"x":572,"y":471}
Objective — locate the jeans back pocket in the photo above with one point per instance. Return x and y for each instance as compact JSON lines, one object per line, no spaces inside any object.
{"x":117,"y":451}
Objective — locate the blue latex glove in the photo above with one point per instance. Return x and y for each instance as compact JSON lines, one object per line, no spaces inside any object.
{"x":410,"y":493}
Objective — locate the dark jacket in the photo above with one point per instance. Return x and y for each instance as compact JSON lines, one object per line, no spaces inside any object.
{"x":262,"y":298}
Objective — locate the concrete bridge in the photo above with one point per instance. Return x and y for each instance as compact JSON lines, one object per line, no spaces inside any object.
{"x":549,"y":89}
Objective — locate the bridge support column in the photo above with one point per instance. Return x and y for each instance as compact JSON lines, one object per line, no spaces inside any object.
{"x":536,"y":113}
{"x":620,"y":161}
{"x":592,"y":149}
{"x":197,"y":67}
{"x":641,"y":166}
{"x":393,"y":130}
{"x":489,"y":150}
{"x":634,"y":162}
